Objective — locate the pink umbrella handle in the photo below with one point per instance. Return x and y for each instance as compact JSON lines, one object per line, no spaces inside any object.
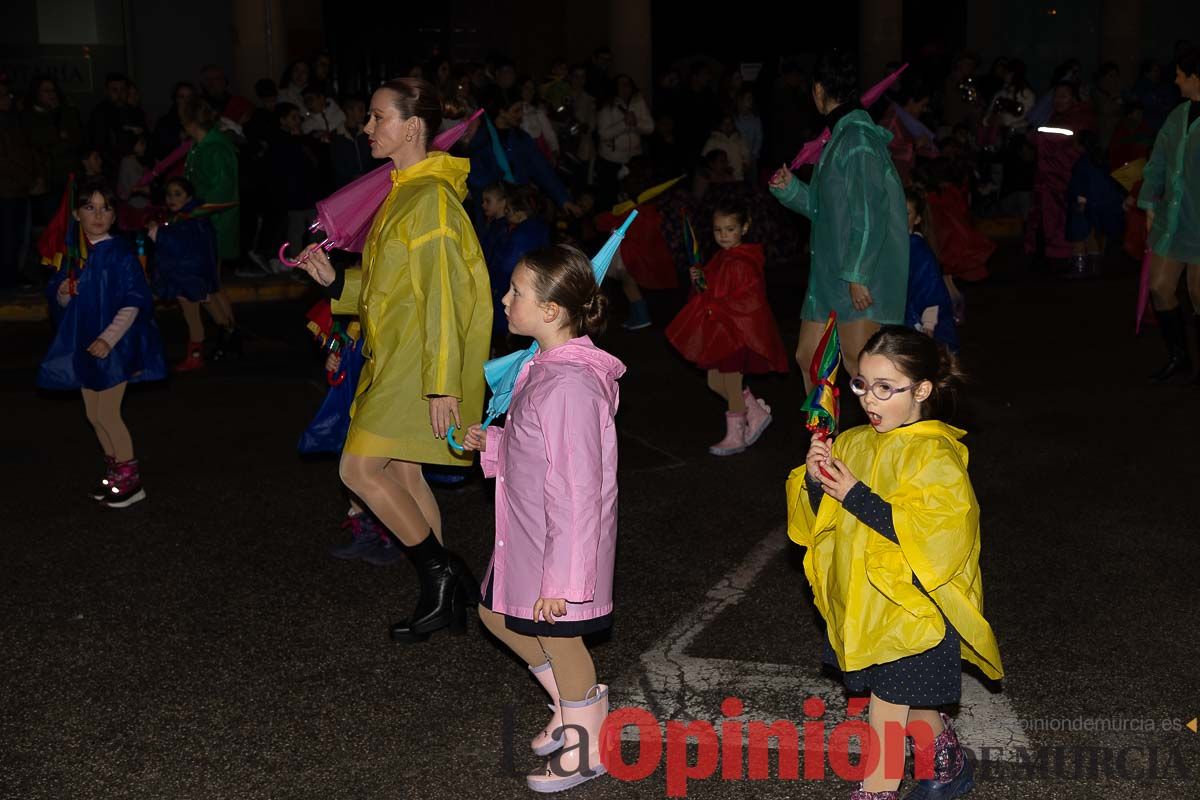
{"x":326,"y":245}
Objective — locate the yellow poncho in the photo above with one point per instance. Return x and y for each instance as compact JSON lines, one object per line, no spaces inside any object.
{"x":425,"y":303}
{"x":862,"y":582}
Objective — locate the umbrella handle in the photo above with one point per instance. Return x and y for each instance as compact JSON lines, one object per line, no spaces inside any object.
{"x":335,"y":378}
{"x":326,"y":245}
{"x":454,"y":445}
{"x":823,"y":435}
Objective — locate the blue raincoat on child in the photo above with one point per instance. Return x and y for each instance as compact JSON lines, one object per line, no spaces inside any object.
{"x":111,"y":279}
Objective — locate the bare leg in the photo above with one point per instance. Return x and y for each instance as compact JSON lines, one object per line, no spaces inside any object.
{"x":391,"y":504}
{"x":108,"y":409}
{"x":717,"y":384}
{"x":810,"y":337}
{"x":1164,"y":283}
{"x":91,"y":407}
{"x":410,"y":478}
{"x":220,"y":309}
{"x":630,"y":287}
{"x":191,"y":315}
{"x":885,"y":776}
{"x":854,"y":335}
{"x":527,"y":648}
{"x":574,"y":671}
{"x":733,"y":391}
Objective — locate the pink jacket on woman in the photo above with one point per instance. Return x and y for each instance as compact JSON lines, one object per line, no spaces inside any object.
{"x":555,"y":463}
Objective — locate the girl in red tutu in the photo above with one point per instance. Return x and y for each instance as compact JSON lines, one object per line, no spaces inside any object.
{"x":728,"y":329}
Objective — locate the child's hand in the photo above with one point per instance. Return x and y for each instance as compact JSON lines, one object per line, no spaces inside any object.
{"x":333,"y":362}
{"x":841,"y":483}
{"x":99,"y":349}
{"x":696,"y":274}
{"x":549,"y":608}
{"x":152,"y":231}
{"x":819,"y":453}
{"x":781,"y":178}
{"x":475,"y":438}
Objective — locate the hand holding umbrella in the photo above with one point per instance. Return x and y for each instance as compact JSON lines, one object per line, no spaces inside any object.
{"x":501,"y":373}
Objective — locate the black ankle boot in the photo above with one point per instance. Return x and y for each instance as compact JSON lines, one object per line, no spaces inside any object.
{"x":229,"y":343}
{"x":1178,"y":360}
{"x":446,"y":593}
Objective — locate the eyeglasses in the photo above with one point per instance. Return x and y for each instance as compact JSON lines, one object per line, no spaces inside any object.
{"x":881,"y":389}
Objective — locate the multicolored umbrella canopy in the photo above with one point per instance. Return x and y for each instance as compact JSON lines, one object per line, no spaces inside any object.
{"x":501,"y":373}
{"x":821,"y":408}
{"x":345,"y":216}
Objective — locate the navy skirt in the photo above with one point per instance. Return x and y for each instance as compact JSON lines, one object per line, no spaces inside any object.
{"x":562,"y":630}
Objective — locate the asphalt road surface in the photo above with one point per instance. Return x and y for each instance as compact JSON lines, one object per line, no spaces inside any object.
{"x":203,"y":645}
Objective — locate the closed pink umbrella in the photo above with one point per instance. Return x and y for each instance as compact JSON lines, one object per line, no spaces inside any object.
{"x":810,"y":153}
{"x":346,"y":215}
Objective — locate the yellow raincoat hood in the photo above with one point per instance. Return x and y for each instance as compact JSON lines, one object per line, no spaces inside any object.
{"x":862,"y":582}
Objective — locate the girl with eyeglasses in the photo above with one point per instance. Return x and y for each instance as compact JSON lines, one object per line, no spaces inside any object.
{"x":891,"y":525}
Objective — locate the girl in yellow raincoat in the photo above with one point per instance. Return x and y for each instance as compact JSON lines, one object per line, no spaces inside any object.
{"x":425,"y":305}
{"x":892,"y":529}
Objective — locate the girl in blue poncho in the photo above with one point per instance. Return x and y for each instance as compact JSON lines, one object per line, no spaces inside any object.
{"x":106,"y":338}
{"x":929,"y":308}
{"x":188,"y":268}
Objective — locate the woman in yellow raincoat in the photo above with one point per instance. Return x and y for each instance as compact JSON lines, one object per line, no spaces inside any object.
{"x":892,"y":529}
{"x":424,"y":301}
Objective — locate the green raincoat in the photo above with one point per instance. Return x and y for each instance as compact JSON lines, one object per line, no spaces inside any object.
{"x":859,"y":224}
{"x":212,"y":168}
{"x":1171,"y":188}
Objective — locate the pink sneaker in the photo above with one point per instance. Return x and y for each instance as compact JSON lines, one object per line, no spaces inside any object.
{"x":735,"y":435}
{"x":126,"y":488}
{"x":758,"y":417}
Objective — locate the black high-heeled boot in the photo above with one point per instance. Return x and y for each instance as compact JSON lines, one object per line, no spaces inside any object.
{"x":446,"y":593}
{"x":1178,"y":360}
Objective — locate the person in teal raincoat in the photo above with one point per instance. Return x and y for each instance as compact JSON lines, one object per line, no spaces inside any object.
{"x":859,"y":237}
{"x":1170,"y":197}
{"x":212,"y":168}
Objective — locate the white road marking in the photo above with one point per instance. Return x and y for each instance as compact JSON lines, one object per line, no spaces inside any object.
{"x":673,"y":685}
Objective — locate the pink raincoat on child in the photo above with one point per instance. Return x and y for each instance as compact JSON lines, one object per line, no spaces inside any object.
{"x":556,"y":486}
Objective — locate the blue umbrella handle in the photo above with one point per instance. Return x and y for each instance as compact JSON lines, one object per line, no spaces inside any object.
{"x":454,"y":445}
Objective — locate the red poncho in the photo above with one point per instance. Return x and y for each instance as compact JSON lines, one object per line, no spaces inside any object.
{"x":961,"y":249}
{"x":644,"y":250}
{"x":731,"y":316}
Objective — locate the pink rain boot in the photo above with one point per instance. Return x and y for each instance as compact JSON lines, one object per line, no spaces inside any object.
{"x":573,"y":767}
{"x":551,"y":737}
{"x":735,"y":435}
{"x":758,"y":417}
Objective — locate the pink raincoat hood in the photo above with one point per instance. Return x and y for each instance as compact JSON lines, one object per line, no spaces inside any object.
{"x":581,"y":351}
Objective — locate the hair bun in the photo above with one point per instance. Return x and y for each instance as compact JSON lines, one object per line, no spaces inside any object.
{"x":594,"y":313}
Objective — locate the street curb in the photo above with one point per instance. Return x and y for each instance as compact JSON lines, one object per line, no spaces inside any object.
{"x":31,"y":306}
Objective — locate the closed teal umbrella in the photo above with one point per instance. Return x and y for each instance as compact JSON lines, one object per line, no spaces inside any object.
{"x":501,"y":373}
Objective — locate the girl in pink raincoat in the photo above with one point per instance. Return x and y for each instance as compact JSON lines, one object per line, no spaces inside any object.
{"x":555,"y":462}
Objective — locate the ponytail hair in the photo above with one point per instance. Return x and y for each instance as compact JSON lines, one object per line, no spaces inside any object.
{"x":563,"y":275}
{"x":922,"y":358}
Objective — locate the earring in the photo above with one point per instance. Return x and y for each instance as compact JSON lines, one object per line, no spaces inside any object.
{"x":408,"y":138}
